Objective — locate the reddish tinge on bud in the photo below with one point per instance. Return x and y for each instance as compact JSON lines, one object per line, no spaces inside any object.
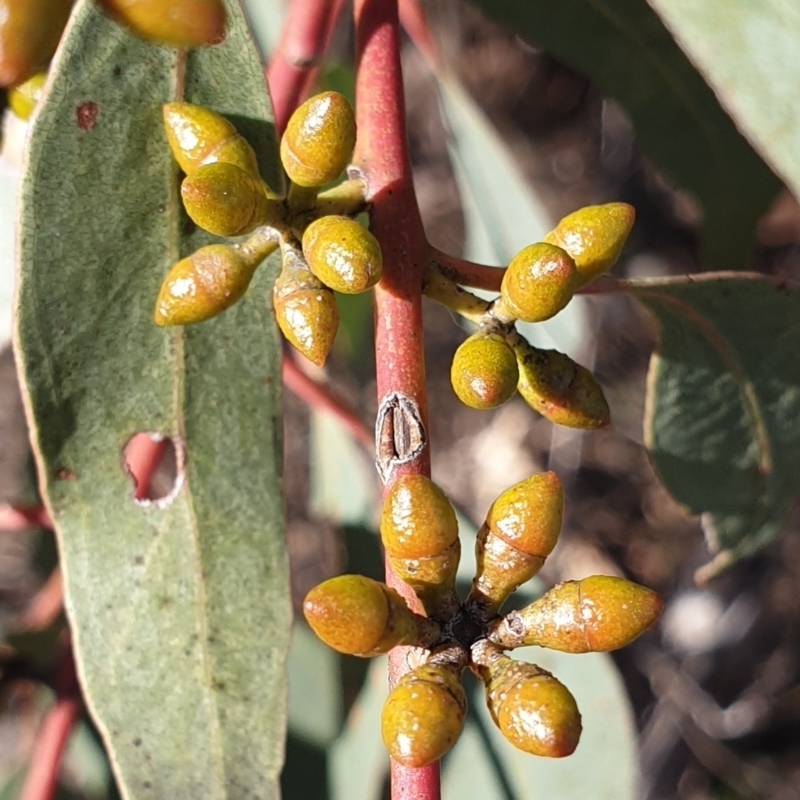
{"x":361,"y":617}
{"x":424,"y":715}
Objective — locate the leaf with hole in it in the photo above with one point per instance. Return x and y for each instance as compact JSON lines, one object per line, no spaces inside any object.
{"x":722,"y":422}
{"x":180,"y":610}
{"x":623,"y":47}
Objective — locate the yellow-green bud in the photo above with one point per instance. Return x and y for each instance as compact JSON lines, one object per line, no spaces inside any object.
{"x":23,"y":99}
{"x":178,"y":23}
{"x":203,"y":285}
{"x":343,"y":254}
{"x":533,"y":710}
{"x":538,"y":283}
{"x":521,"y":529}
{"x":594,"y":237}
{"x":596,"y":614}
{"x":424,"y":715}
{"x":484,"y":371}
{"x":199,"y":136}
{"x":319,"y":140}
{"x":560,"y":390}
{"x":226,"y":201}
{"x":362,"y":617}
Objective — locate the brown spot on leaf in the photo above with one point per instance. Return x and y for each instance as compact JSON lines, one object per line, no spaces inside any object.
{"x":64,"y":474}
{"x":87,"y":115}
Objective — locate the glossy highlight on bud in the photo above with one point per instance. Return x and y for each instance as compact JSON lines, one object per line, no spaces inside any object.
{"x":424,"y":715}
{"x":177,"y":23}
{"x":419,"y":532}
{"x":199,"y":136}
{"x":534,"y":710}
{"x":560,"y":390}
{"x":594,"y":236}
{"x":362,"y":617}
{"x":319,"y":140}
{"x":306,"y":313}
{"x":521,"y":529}
{"x":203,"y":285}
{"x":226,"y":201}
{"x":417,"y":519}
{"x":539,"y":282}
{"x":343,"y":254}
{"x":484,"y":371}
{"x":595,"y":614}
{"x":24,"y":98}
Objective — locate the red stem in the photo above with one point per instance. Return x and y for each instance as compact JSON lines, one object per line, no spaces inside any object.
{"x":382,"y":153}
{"x":412,"y":18}
{"x":21,"y":518}
{"x":45,"y":606}
{"x":294,"y":65}
{"x":41,"y":782}
{"x":317,"y":395}
{"x":467,"y":273}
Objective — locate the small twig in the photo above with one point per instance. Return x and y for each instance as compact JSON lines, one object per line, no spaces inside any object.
{"x":304,"y":40}
{"x":45,"y":606}
{"x":412,"y":18}
{"x":450,"y":295}
{"x":317,"y":395}
{"x":41,"y":782}
{"x":466,"y":273}
{"x":23,"y":518}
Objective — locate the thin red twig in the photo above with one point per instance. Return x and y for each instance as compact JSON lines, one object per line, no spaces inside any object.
{"x":22,"y":518}
{"x":293,"y":67}
{"x":41,"y":782}
{"x":382,"y":154}
{"x":412,"y":18}
{"x":45,"y":606}
{"x":467,"y":273}
{"x":317,"y":395}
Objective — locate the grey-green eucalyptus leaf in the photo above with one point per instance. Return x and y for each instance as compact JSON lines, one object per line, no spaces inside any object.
{"x":623,"y":47}
{"x":180,"y":609}
{"x":748,"y":54}
{"x":722,"y":418}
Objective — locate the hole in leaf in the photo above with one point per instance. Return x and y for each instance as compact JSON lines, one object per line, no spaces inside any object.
{"x":155,"y":463}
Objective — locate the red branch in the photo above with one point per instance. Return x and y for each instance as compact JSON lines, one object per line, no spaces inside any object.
{"x":382,"y":153}
{"x":294,"y":65}
{"x":467,"y":273}
{"x":22,"y":518}
{"x":412,"y":18}
{"x":41,"y":781}
{"x":317,"y":395}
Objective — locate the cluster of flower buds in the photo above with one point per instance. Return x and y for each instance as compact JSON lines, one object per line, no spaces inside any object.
{"x":324,"y":250}
{"x":424,"y":713}
{"x":492,"y":364}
